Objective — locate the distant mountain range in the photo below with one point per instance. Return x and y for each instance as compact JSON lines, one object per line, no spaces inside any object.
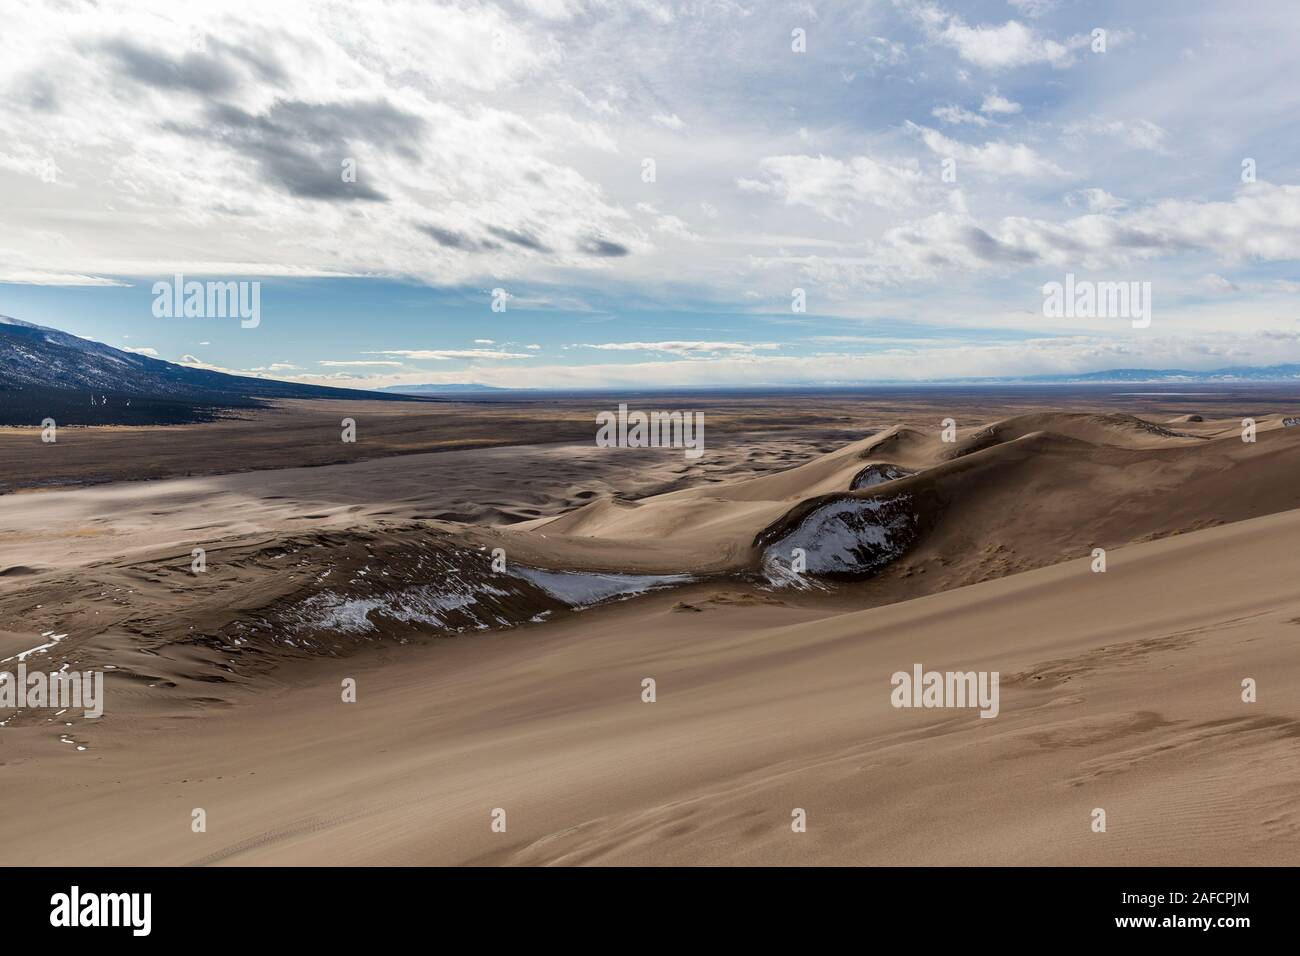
{"x":1118,"y":376}
{"x":45,"y":373}
{"x":1155,"y":376}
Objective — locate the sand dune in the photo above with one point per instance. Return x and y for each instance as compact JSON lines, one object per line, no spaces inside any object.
{"x":1111,"y":699}
{"x":1038,"y":488}
{"x":1120,"y":690}
{"x":293,"y":552}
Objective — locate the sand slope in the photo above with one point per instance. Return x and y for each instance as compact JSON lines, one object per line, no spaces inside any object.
{"x":1122,"y":691}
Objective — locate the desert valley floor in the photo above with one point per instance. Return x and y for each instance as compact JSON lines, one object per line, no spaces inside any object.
{"x":481,"y":689}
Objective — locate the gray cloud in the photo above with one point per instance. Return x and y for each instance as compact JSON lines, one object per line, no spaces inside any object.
{"x":596,"y":246}
{"x":326,"y":125}
{"x":263,"y":63}
{"x":1137,"y":237}
{"x":301,"y":146}
{"x":208,"y":73}
{"x":992,"y":250}
{"x":449,"y":238}
{"x":40,"y":93}
{"x":195,"y":72}
{"x":519,"y":238}
{"x":453,"y":239}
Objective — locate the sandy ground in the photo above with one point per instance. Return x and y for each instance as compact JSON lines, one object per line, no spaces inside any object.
{"x":1120,"y":691}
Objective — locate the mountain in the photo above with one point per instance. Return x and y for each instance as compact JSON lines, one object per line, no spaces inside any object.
{"x":45,"y":373}
{"x":1153,"y":376}
{"x":1113,"y":376}
{"x":1244,"y":373}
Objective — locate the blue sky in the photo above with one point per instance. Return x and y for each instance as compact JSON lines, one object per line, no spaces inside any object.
{"x":505,"y":146}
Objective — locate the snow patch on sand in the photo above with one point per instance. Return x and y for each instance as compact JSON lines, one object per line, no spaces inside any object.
{"x":852,"y":537}
{"x":39,"y":649}
{"x":328,"y":611}
{"x":585,"y":588}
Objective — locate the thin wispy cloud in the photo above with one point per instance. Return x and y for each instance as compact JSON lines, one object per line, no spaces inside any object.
{"x":444,"y":355}
{"x":342,"y":363}
{"x":685,"y":348}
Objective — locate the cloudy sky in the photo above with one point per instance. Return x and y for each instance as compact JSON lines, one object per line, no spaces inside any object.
{"x":650,"y":180}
